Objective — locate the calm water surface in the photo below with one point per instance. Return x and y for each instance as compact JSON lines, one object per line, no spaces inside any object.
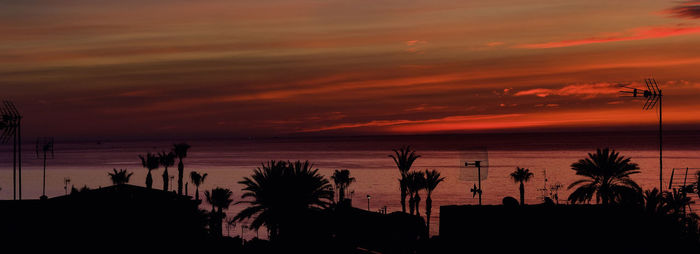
{"x":228,"y":161}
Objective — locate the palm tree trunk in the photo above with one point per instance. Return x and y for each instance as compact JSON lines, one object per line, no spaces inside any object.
{"x":411,"y":204}
{"x":341,"y":194}
{"x":219,"y":222}
{"x":416,"y":199}
{"x":522,"y":193}
{"x":149,"y":180}
{"x":180,"y":170}
{"x":165,"y":179}
{"x":403,"y":198}
{"x":196,"y":197}
{"x":212,"y":221}
{"x":428,"y":210}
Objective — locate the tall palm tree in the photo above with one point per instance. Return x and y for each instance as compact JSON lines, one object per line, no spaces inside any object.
{"x":404,"y":158}
{"x":342,"y":181}
{"x":150,"y":162}
{"x":607,"y":176}
{"x":166,"y":160}
{"x":279,"y":192}
{"x":432,"y":179}
{"x":416,"y":182}
{"x":197,"y":179}
{"x":521,"y":175}
{"x":218,"y":198}
{"x":180,"y":151}
{"x":120,"y":177}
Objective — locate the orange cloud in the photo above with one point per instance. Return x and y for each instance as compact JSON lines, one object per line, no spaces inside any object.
{"x":641,"y":33}
{"x":384,"y":123}
{"x":494,"y":43}
{"x":586,"y":90}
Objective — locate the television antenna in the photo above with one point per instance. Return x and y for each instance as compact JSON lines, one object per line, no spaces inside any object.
{"x":554,"y":191}
{"x":11,"y":125}
{"x":44,"y":147}
{"x":653,"y":97}
{"x":474,"y":165}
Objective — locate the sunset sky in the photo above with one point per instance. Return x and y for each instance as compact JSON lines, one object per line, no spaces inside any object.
{"x":99,"y":68}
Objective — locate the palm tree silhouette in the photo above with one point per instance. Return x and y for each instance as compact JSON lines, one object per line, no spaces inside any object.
{"x":180,"y":151}
{"x":404,"y":158}
{"x":218,"y":198}
{"x":416,"y":182}
{"x":150,"y":162}
{"x":654,"y":202}
{"x":342,"y":181}
{"x":521,"y":175}
{"x":278,"y":192}
{"x":607,"y":177}
{"x":432,"y":179}
{"x":197,"y":180}
{"x":676,"y":201}
{"x":166,"y":160}
{"x":120,"y":177}
{"x":697,"y":183}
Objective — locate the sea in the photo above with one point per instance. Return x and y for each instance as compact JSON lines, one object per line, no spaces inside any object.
{"x":227,"y":160}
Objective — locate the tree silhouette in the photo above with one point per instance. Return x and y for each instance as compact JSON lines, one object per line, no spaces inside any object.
{"x":654,"y":202}
{"x":220,"y":199}
{"x":120,"y":177}
{"x":404,"y":158}
{"x":521,"y":175}
{"x":676,"y":202}
{"x":697,"y":183}
{"x":150,"y":162}
{"x":342,"y":181}
{"x":278,"y":192}
{"x":197,"y":180}
{"x":416,"y":182}
{"x":432,"y":179}
{"x":166,"y":160}
{"x":607,"y":176}
{"x":180,"y":151}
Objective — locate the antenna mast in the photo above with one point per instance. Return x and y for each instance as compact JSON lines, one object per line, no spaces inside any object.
{"x":44,"y":145}
{"x":653,"y":96}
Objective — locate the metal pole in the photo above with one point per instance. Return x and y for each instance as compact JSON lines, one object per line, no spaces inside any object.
{"x":43,"y":192}
{"x":19,"y":156}
{"x":661,"y":164}
{"x":14,"y":166}
{"x":478,"y":166}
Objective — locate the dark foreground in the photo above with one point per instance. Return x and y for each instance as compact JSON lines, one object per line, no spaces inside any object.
{"x":136,"y":219}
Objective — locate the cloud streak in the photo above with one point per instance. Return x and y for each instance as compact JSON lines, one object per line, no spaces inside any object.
{"x":585,"y":90}
{"x":640,"y":33}
{"x":387,"y":123}
{"x":689,"y":10}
